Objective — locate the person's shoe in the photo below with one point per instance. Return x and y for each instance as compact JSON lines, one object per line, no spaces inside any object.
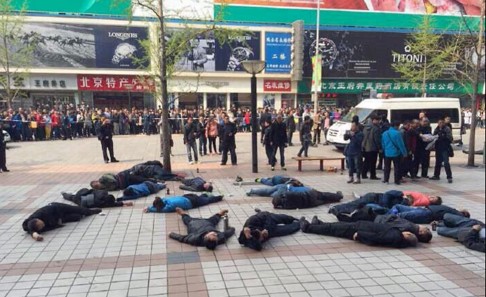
{"x":257,"y":210}
{"x":5,"y":170}
{"x":340,"y":194}
{"x":284,"y":169}
{"x":333,"y":210}
{"x":357,"y":181}
{"x":114,"y":161}
{"x":257,"y":180}
{"x":385,"y":182}
{"x":304,"y":224}
{"x":272,"y":168}
{"x":248,"y":193}
{"x":350,"y":180}
{"x":191,"y":162}
{"x":425,"y":176}
{"x":106,"y":161}
{"x":299,"y":155}
{"x":315,"y":220}
{"x":364,"y":177}
{"x":239,"y":179}
{"x":94,"y":211}
{"x":398,"y":183}
{"x":356,"y":196}
{"x":375,"y":178}
{"x":434,"y":178}
{"x":223,"y":164}
{"x":449,"y":180}
{"x":66,"y":195}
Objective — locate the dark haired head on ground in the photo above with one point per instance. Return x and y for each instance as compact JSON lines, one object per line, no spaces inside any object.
{"x":424,"y":234}
{"x":410,"y":238}
{"x":211,"y":240}
{"x":159,"y":204}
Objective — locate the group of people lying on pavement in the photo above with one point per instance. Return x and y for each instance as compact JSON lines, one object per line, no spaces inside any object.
{"x":387,"y":219}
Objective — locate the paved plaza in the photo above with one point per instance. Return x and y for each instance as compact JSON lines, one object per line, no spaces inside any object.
{"x":128,"y":253}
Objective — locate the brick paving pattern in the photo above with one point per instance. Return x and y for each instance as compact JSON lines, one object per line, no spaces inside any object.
{"x":126,"y":252}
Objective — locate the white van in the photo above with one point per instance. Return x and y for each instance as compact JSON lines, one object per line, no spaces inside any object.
{"x":399,"y":109}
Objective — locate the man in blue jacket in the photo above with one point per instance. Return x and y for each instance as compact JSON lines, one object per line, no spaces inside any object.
{"x":141,"y":190}
{"x":394,"y":149}
{"x":185,"y":202}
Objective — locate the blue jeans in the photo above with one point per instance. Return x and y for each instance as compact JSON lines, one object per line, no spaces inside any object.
{"x":269,"y":192}
{"x":354,"y":164}
{"x":272,"y":181}
{"x":417,"y":215}
{"x":442,"y":156}
{"x":191,"y":146}
{"x":454,"y":224}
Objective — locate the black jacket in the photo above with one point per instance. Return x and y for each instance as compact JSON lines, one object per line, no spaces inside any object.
{"x":229,"y":130}
{"x":278,"y":133}
{"x":91,"y":198}
{"x":421,"y":145}
{"x":147,"y":169}
{"x":295,"y":200}
{"x":190,"y":133}
{"x":471,"y":239}
{"x":193,"y":184}
{"x":438,"y":212}
{"x":444,"y":141}
{"x":105,"y":132}
{"x":291,"y":123}
{"x":402,"y":224}
{"x":371,"y":138}
{"x":198,"y":228}
{"x":371,"y":233}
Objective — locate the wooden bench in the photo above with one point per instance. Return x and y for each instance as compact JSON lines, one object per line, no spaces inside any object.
{"x":320,"y":159}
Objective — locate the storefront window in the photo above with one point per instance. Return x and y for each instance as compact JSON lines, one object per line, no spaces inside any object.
{"x":288,"y":101}
{"x":51,"y":100}
{"x":216,"y":101}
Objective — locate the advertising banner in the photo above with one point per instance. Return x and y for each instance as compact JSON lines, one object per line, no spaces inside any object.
{"x":242,"y":48}
{"x":355,"y":54}
{"x":276,"y":85}
{"x":278,"y":47}
{"x":316,"y":73}
{"x":83,"y":46}
{"x":442,"y":7}
{"x":78,"y":6}
{"x":121,"y":83}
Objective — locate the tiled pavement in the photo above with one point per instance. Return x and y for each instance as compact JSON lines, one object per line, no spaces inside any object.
{"x":127,"y":253}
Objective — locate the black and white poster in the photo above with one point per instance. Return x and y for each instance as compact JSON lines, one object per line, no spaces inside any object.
{"x":200,"y":54}
{"x":358,"y":54}
{"x":83,"y":46}
{"x":243,"y":48}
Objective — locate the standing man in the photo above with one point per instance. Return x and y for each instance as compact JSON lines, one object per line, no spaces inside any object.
{"x":278,"y":137}
{"x":290,"y":127}
{"x":190,"y":135}
{"x":3,"y":155}
{"x":371,"y":147}
{"x":317,"y":129}
{"x":422,"y":156}
{"x":443,"y":150}
{"x":229,"y":142}
{"x":394,"y":149}
{"x":105,"y":136}
{"x":203,"y":141}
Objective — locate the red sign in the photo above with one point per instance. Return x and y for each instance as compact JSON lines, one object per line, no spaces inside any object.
{"x":273,"y":85}
{"x":121,"y":83}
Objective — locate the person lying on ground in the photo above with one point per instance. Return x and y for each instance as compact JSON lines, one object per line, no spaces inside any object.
{"x":118,"y":181}
{"x":469,"y":232}
{"x":279,"y":180}
{"x":369,"y":233}
{"x":310,"y":199}
{"x":196,"y":185}
{"x":155,"y":170}
{"x":90,"y":198}
{"x":203,"y":232}
{"x":184,"y":202}
{"x":426,"y":215}
{"x":386,"y":200}
{"x":264,"y":225}
{"x":422,"y":233}
{"x":141,"y":190}
{"x":53,"y":216}
{"x":275,"y":191}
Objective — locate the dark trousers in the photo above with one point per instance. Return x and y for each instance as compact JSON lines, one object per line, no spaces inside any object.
{"x":341,"y":229}
{"x":406,"y":166}
{"x":351,"y":206}
{"x":231,"y":149}
{"x":70,"y":213}
{"x":454,"y":224}
{"x":369,"y":164}
{"x":67,"y":133}
{"x":421,"y":159}
{"x":380,"y":161}
{"x":396,"y":168}
{"x":214,"y":220}
{"x":202,"y":200}
{"x":203,"y":148}
{"x":285,"y":225}
{"x":191,"y":146}
{"x":442,"y":156}
{"x":212,"y":144}
{"x":304,"y":149}
{"x":269,"y":153}
{"x":3,"y":157}
{"x":281,"y":148}
{"x":317,"y":136}
{"x":290,"y":134}
{"x":107,"y":144}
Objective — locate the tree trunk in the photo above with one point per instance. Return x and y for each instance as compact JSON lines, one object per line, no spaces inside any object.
{"x":164,"y":93}
{"x":475,"y":84}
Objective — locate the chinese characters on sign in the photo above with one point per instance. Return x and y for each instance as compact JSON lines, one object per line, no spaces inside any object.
{"x":115,"y":83}
{"x":272,"y":85}
{"x":278,"y":52}
{"x":436,"y":87}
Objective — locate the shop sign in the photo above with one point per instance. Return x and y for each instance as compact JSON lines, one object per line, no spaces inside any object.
{"x":278,"y":48}
{"x":353,"y":87}
{"x":115,"y":83}
{"x":273,"y":85}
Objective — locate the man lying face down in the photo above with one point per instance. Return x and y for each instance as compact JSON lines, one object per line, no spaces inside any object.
{"x":203,"y":232}
{"x":265,"y":225}
{"x":301,"y":200}
{"x":184,"y":202}
{"x":54,"y":216}
{"x":196,"y":185}
{"x":369,"y":233}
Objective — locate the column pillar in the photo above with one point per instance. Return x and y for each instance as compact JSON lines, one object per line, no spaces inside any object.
{"x":228,"y":101}
{"x":205,"y":101}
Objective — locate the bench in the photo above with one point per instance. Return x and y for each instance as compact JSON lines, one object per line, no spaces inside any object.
{"x":320,"y":159}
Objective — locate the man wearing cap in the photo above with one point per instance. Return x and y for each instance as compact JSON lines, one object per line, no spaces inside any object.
{"x":203,"y":232}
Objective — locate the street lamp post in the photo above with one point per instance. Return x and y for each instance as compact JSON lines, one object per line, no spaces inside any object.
{"x":254,"y":67}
